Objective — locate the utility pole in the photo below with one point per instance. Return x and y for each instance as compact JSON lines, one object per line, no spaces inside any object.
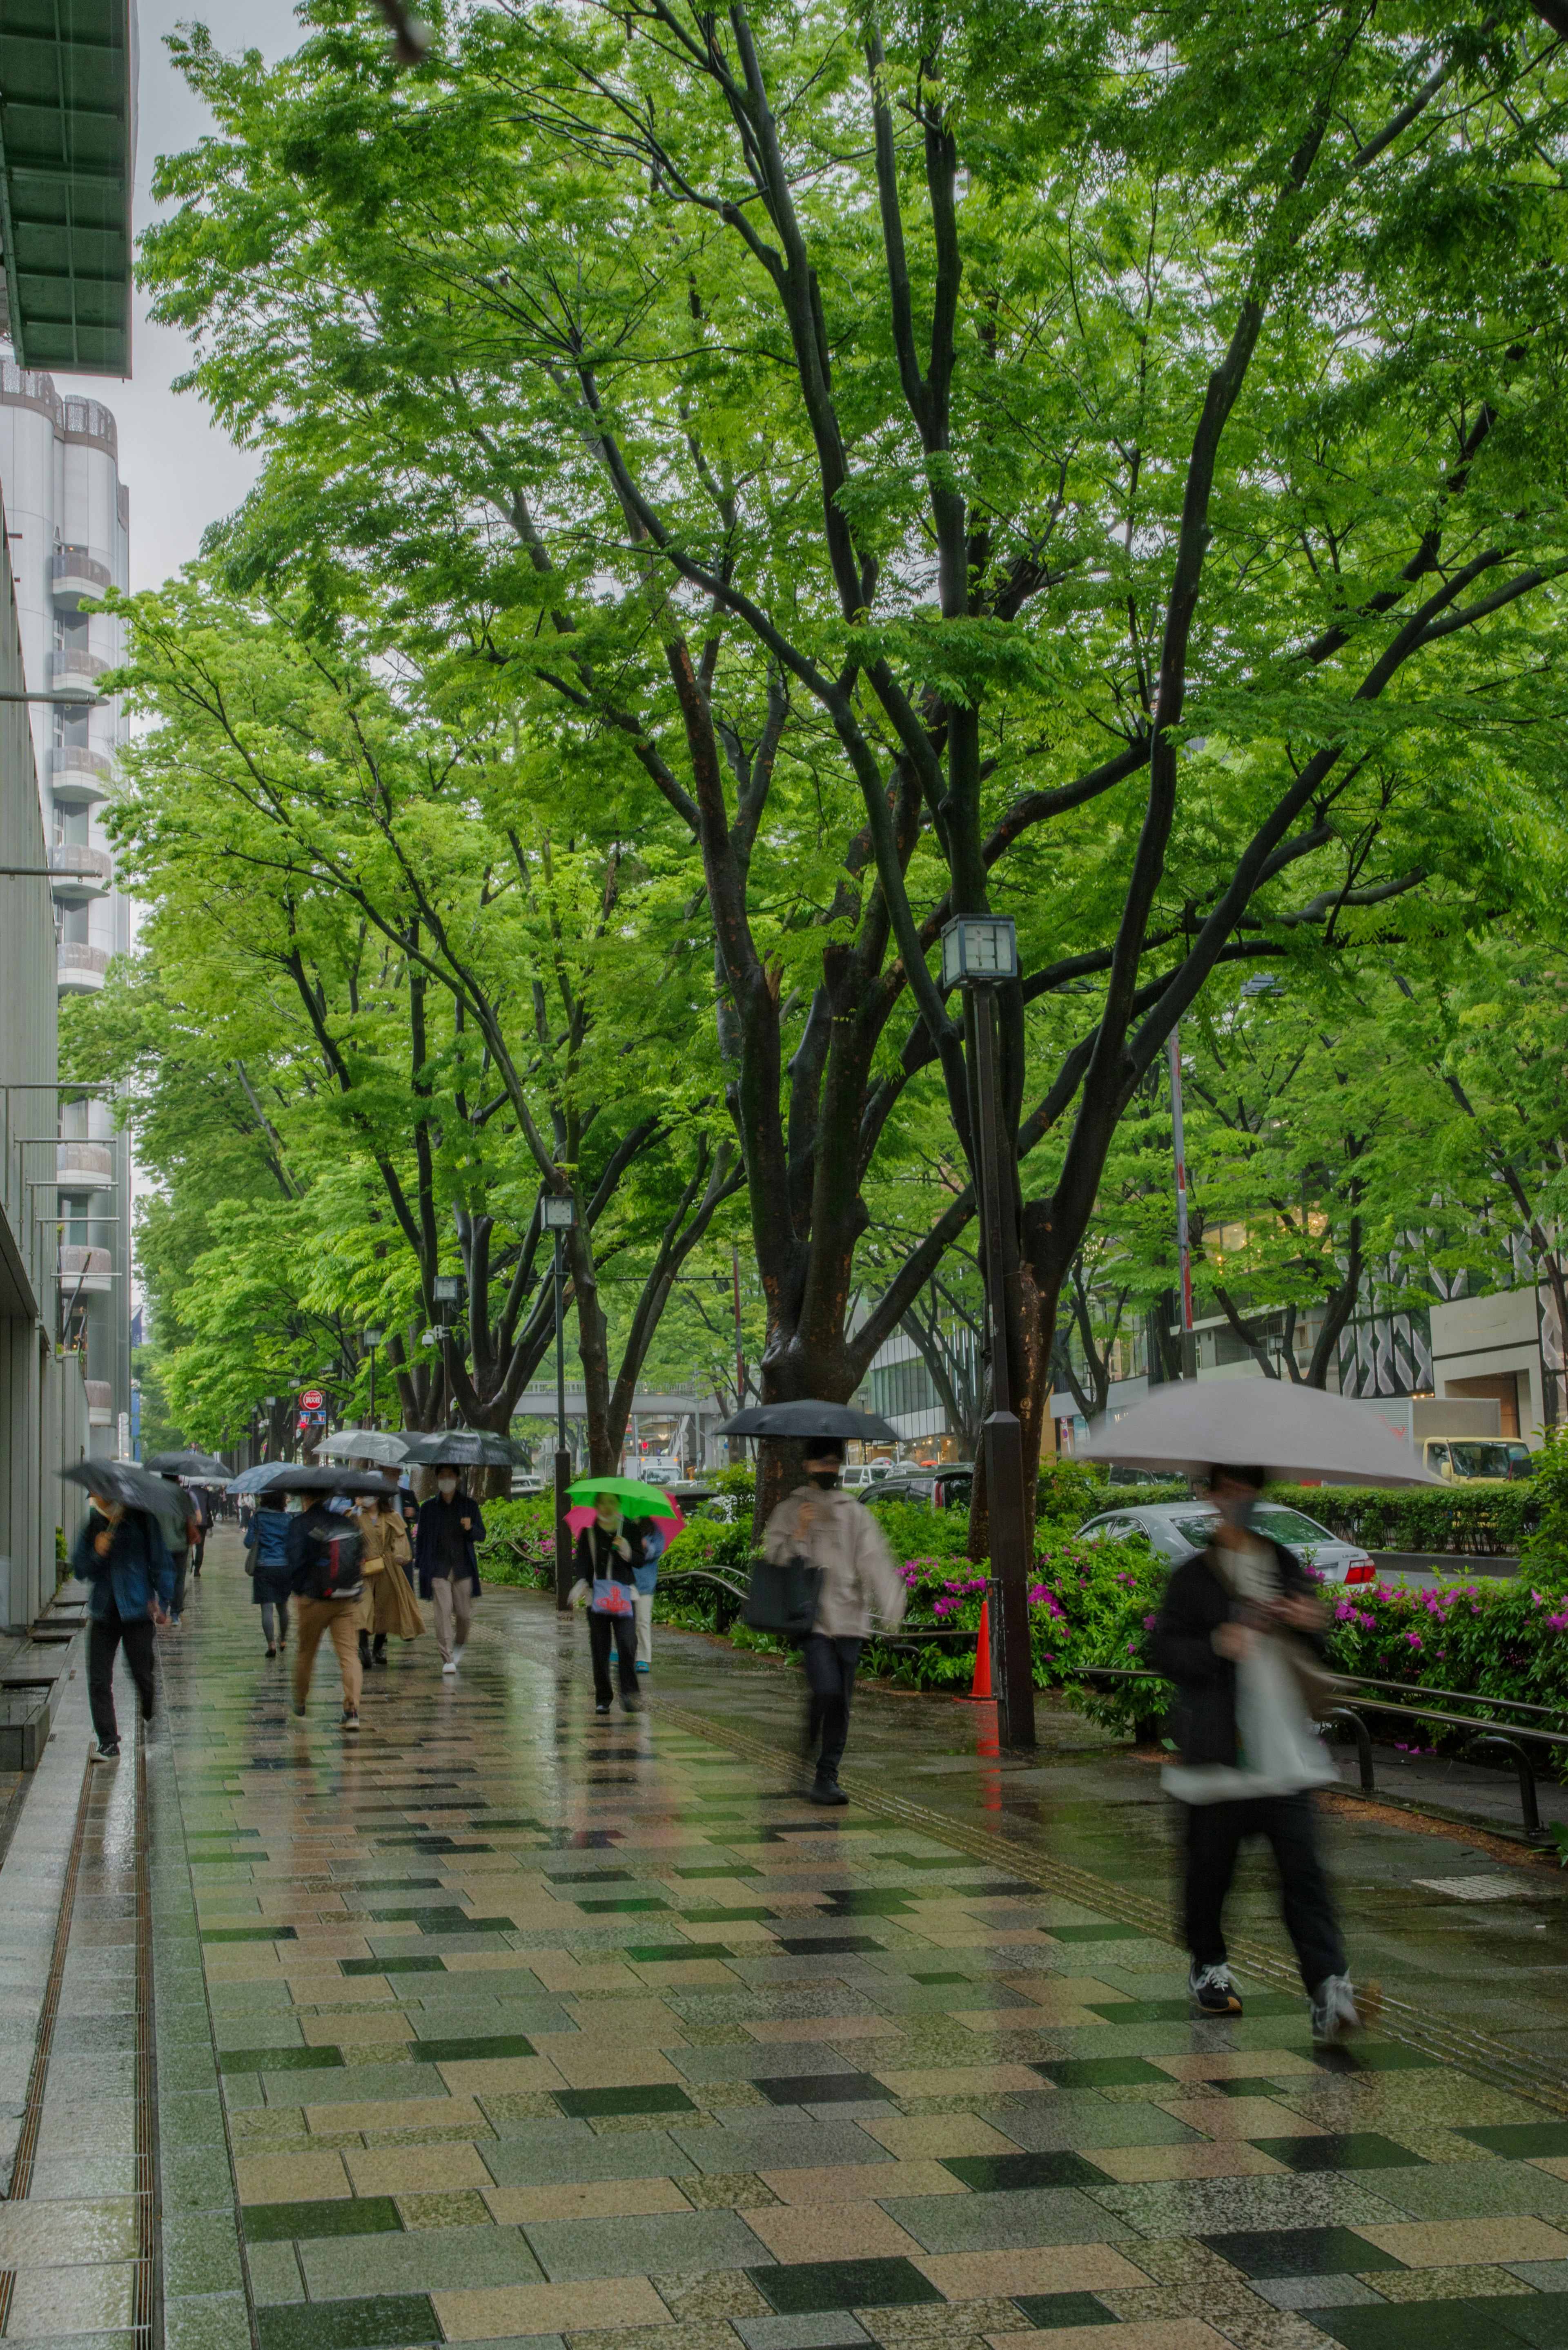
{"x":558,"y":1212}
{"x":1183,"y":1247}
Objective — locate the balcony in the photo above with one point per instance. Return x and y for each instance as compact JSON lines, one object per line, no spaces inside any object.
{"x":71,"y":667}
{"x":76,"y":1163}
{"x":79,"y":778}
{"x":80,"y":969}
{"x":74,"y":574}
{"x":101,"y":1402}
{"x":84,"y":1270}
{"x":80,"y":874}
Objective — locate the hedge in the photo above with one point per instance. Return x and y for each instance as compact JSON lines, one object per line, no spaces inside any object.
{"x":1476,"y":1522}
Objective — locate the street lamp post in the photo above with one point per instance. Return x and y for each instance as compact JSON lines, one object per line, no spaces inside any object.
{"x":372,"y":1340}
{"x":979,"y":953}
{"x":559,"y":1214}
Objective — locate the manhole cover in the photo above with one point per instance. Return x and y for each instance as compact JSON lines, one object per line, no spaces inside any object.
{"x":1471,"y":1888}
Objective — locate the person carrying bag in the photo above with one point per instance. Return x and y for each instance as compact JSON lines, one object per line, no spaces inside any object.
{"x":836,"y":1557}
{"x":607,"y":1559}
{"x":388,"y":1605}
{"x":325,"y":1558}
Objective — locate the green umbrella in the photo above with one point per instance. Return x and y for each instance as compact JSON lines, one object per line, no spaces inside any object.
{"x":636,"y":1500}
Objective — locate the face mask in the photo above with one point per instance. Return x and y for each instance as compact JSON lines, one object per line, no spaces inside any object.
{"x":446,"y":1487}
{"x":824,"y":1477}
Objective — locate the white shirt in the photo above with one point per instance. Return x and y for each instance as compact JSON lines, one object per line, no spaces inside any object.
{"x":1278,"y":1751}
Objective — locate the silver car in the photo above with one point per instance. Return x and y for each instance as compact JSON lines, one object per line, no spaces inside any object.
{"x":1180,"y":1530}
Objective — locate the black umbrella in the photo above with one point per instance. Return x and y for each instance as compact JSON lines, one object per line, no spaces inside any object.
{"x":810,"y":1418}
{"x":464,"y":1447}
{"x":311,"y":1477}
{"x":206,"y":1466}
{"x":133,"y":1487}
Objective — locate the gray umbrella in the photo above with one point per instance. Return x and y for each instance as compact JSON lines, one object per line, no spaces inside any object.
{"x":133,"y":1487}
{"x":205,"y":1467}
{"x":363,"y":1444}
{"x":808,"y":1418}
{"x":307,"y":1478}
{"x":464,"y":1448}
{"x":1289,"y":1431}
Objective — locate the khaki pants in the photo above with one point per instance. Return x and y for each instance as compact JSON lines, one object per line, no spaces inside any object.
{"x":452,"y":1598}
{"x":338,"y":1617}
{"x":642,"y":1610}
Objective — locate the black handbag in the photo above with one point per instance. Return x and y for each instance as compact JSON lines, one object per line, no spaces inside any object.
{"x":784,"y":1598}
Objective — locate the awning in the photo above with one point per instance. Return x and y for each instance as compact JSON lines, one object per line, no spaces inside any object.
{"x":67,"y":149}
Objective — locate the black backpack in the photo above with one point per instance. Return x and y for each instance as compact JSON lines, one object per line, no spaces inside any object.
{"x":337,"y":1561}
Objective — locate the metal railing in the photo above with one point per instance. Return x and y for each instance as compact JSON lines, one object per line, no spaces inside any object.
{"x":76,"y":562}
{"x":74,"y":860}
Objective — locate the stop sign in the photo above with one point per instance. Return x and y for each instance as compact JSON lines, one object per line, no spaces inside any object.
{"x":311,"y":1399}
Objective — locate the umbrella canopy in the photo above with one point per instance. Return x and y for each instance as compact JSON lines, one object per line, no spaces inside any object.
{"x":580,"y":1515}
{"x":312,"y":1479}
{"x":205,"y":1467}
{"x":636,"y":1500}
{"x":363,"y":1444}
{"x":464,"y":1448}
{"x":1289,"y":1431}
{"x":808,"y":1418}
{"x":257,"y":1480}
{"x":136,"y":1488}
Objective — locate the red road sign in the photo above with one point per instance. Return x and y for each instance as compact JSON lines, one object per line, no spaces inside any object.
{"x":311,"y":1399}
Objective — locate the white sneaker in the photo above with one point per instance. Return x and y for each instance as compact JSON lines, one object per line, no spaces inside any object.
{"x":450,"y":1666}
{"x":1334,"y":2012}
{"x":457,"y":1653}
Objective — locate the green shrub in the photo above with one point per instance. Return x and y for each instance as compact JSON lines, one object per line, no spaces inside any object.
{"x":1476,"y":1522}
{"x":519,"y":1545}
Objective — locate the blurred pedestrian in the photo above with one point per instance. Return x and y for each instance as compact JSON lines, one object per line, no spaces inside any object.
{"x":181,"y":1538}
{"x":389,"y":1605}
{"x":121,"y":1554}
{"x":649,"y":1534}
{"x":836,"y":1534}
{"x":1241,"y":1632}
{"x":607,"y":1557}
{"x":325,"y":1554}
{"x":201,"y":1504}
{"x":266,"y":1547}
{"x":445,"y":1554}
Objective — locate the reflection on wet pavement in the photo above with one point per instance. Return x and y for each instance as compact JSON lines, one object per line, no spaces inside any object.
{"x":534,"y":2027}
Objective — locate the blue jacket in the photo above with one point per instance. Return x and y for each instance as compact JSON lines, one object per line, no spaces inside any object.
{"x":266,"y":1537}
{"x":436,"y":1514}
{"x":138,"y":1566}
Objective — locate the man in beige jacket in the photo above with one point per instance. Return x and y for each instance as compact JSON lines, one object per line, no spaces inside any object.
{"x":830,"y":1528}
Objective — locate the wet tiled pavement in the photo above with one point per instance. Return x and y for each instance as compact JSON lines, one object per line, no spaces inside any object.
{"x":512,"y":2024}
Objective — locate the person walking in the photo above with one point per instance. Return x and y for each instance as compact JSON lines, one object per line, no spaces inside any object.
{"x":201,"y":1504}
{"x":607,"y":1557}
{"x":268,"y":1564}
{"x":838,"y":1535}
{"x":389,"y":1605}
{"x":645,"y":1574}
{"x":449,"y":1529}
{"x":326,"y":1560}
{"x":1240,"y":1634}
{"x":121,"y":1554}
{"x":180,"y":1545}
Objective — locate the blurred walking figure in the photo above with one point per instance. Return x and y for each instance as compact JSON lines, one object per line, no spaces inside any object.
{"x":266,"y":1545}
{"x":389,"y":1605}
{"x":121,"y":1554}
{"x":835,"y":1533}
{"x":645,"y":1574}
{"x":608,"y":1554}
{"x":181,"y":1542}
{"x":445,"y":1554}
{"x":326,"y":1556}
{"x":202,"y":1505}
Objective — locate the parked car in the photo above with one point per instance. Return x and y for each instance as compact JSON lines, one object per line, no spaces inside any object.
{"x":868,"y":1472}
{"x":1179,"y":1529}
{"x":527,"y":1481}
{"x":947,"y":1488}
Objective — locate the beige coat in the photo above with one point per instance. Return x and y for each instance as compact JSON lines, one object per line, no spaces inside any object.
{"x":859,"y":1579}
{"x":389,"y":1604}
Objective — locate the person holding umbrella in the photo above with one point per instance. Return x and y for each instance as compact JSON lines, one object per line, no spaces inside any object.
{"x":389,"y":1605}
{"x":122,"y":1557}
{"x":609,"y":1551}
{"x":325,"y":1557}
{"x":446,"y":1556}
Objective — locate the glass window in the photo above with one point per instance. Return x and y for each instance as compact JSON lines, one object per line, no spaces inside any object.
{"x":1289,"y":1526}
{"x":1479,"y":1460}
{"x":1197,"y":1531}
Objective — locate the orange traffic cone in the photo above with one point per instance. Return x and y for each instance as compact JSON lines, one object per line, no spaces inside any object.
{"x":980,"y":1692}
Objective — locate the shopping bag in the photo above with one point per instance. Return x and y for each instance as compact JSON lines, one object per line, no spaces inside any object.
{"x":610,"y":1597}
{"x":784,"y":1598}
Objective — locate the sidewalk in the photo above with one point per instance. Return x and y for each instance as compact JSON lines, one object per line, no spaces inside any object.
{"x":538,"y":2027}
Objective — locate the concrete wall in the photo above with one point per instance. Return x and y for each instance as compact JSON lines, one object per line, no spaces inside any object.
{"x":1483,"y":1339}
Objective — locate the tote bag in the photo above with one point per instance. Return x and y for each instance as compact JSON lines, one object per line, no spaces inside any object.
{"x":610,"y":1597}
{"x":784,"y":1598}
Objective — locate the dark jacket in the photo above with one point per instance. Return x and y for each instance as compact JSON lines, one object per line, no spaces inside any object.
{"x":1181,"y":1646}
{"x":137,"y":1566}
{"x":305,"y":1532}
{"x":438,"y":1517}
{"x":266,"y":1538}
{"x":595,"y":1555}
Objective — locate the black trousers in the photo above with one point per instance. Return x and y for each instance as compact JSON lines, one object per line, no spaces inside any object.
{"x":182,"y":1559}
{"x":622,"y":1630}
{"x":830,"y":1677}
{"x":1215,"y":1834}
{"x":104,"y":1636}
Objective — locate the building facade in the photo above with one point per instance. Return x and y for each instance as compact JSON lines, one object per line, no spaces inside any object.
{"x":68,"y":516}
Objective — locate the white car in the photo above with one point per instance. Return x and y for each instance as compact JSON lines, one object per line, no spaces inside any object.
{"x":1180,"y":1530}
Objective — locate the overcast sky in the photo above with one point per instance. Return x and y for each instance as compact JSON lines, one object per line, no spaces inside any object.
{"x":183,"y":473}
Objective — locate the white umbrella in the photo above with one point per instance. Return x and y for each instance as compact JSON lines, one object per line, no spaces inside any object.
{"x":1288,"y":1432}
{"x":362,"y":1444}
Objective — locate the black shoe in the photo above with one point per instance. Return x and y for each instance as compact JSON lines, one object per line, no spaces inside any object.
{"x":109,"y":1753}
{"x":826,"y":1790}
{"x":632,"y":1704}
{"x":300,"y":1711}
{"x":603,"y":1706}
{"x":1212,"y":1990}
{"x":271,"y":1652}
{"x":147,"y":1713}
{"x":364,"y":1650}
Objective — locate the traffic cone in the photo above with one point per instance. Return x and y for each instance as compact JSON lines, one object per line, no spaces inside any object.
{"x":981,"y":1691}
